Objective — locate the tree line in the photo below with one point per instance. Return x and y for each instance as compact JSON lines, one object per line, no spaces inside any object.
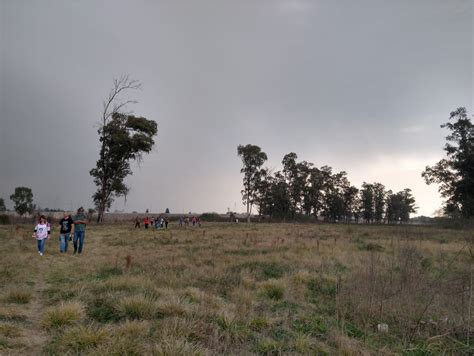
{"x":301,"y":188}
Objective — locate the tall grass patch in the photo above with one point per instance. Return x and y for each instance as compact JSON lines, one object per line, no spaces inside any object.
{"x":138,"y":307}
{"x":18,"y":296}
{"x":62,"y":315}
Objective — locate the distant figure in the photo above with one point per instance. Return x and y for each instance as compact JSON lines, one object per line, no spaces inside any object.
{"x":80,"y":221}
{"x":162,"y":223}
{"x":198,"y":220}
{"x":166,"y":223}
{"x":146,"y":222}
{"x":64,"y":232}
{"x":137,"y":222}
{"x":194,"y":221}
{"x":41,"y":233}
{"x":157,"y":223}
{"x":181,"y":221}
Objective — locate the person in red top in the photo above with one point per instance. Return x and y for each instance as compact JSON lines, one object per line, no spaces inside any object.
{"x":146,"y":221}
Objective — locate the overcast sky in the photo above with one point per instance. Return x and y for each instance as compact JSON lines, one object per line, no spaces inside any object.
{"x":361,"y":86}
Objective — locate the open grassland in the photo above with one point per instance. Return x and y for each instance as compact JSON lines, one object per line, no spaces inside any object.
{"x":239,"y":289}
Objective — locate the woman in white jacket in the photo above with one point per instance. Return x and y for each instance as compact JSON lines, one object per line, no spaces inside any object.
{"x":42,"y":231}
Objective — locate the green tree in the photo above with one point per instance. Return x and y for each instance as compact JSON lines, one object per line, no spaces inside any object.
{"x":296,"y":175}
{"x":252,"y":159}
{"x":379,"y":201}
{"x":123,"y":138}
{"x":23,"y":200}
{"x":2,"y":205}
{"x":351,"y":203}
{"x":367,"y":202}
{"x":318,"y":180}
{"x":408,"y":205}
{"x":455,"y":172}
{"x":276,"y":200}
{"x":399,"y":206}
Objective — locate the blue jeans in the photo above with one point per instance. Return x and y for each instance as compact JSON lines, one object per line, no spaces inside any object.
{"x":78,"y":237}
{"x":63,"y":242}
{"x":41,"y":244}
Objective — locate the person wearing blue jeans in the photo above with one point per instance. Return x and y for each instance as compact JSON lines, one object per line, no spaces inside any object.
{"x":41,"y":244}
{"x":41,"y":233}
{"x":80,"y":221}
{"x":65,"y":232}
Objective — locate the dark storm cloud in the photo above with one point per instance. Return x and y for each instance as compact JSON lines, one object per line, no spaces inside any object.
{"x":361,"y":86}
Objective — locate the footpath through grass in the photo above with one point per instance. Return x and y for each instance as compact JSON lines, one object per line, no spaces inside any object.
{"x":239,"y":289}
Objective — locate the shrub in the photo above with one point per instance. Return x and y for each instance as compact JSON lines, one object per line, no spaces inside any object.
{"x":4,"y":219}
{"x":213,"y":217}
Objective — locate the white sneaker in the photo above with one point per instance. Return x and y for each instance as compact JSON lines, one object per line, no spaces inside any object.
{"x":41,"y":253}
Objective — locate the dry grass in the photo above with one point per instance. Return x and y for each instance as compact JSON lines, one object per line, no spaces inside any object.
{"x":63,"y":315}
{"x":246,"y":289}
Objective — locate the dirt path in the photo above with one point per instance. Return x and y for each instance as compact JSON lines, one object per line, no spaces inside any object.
{"x":34,"y":336}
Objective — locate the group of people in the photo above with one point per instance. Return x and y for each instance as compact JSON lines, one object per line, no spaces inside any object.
{"x":162,"y":222}
{"x":158,"y":223}
{"x":42,"y":232}
{"x":185,"y":221}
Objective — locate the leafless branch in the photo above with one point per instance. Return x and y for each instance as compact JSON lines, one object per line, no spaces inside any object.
{"x":121,"y":84}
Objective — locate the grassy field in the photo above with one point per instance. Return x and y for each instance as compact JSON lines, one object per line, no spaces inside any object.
{"x":239,"y":289}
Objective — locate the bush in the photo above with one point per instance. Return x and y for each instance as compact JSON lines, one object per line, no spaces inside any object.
{"x":213,"y":217}
{"x":4,"y":219}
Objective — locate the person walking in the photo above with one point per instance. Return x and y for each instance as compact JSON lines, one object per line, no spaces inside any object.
{"x":137,"y":222}
{"x":41,"y":233}
{"x":65,"y":231}
{"x":79,"y":221}
{"x":146,"y":222}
